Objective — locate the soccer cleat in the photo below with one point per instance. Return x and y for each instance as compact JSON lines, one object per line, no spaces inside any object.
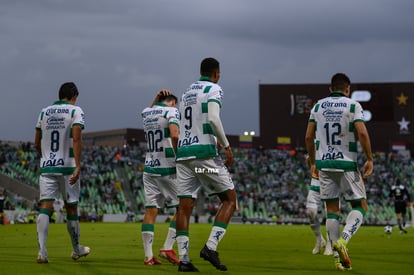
{"x":212,"y":257}
{"x":319,"y":246}
{"x":341,"y":266}
{"x":328,"y":249}
{"x":403,"y":231}
{"x":186,"y":267}
{"x":152,"y":261}
{"x":41,"y":260}
{"x":169,"y":255}
{"x":340,"y":247}
{"x":83,"y":252}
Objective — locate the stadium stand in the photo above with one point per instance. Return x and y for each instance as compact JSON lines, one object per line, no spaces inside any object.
{"x":271,"y":184}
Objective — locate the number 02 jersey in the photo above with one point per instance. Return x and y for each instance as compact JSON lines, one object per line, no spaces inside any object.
{"x":197,"y":139}
{"x":160,"y":156}
{"x":336,"y":139}
{"x":55,"y":125}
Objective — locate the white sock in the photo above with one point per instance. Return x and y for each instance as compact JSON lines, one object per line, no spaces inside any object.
{"x":332,"y":229}
{"x":42,"y":232}
{"x":315,"y":225}
{"x":147,"y":239}
{"x":74,"y":233}
{"x":216,"y":235}
{"x":183,"y":243}
{"x":353,"y":223}
{"x":170,"y":239}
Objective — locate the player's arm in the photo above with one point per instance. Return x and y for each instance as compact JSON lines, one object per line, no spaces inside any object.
{"x":310,"y":148}
{"x":77,"y":151}
{"x":174,"y":132}
{"x":163,"y":92}
{"x":310,"y":142}
{"x":38,"y":137}
{"x":364,"y":139}
{"x":215,"y":122}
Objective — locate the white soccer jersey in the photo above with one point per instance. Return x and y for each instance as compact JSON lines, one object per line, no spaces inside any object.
{"x":197,"y":139}
{"x":160,"y":156}
{"x":336,"y":140}
{"x":55,"y":123}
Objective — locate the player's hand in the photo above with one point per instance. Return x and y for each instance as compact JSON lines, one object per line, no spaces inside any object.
{"x":368,"y":169}
{"x":219,"y":146}
{"x":315,"y":172}
{"x":163,"y":92}
{"x":75,"y":176}
{"x":229,"y":156}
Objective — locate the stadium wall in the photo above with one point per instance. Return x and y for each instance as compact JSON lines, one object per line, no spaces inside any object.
{"x":286,"y":108}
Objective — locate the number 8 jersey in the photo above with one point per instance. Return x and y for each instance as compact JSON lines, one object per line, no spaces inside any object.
{"x":55,"y":125}
{"x":336,"y":138}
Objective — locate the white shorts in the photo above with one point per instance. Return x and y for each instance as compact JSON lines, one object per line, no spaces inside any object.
{"x":313,"y":199}
{"x":52,"y":186}
{"x":349,"y":184}
{"x":211,"y":173}
{"x":160,"y":191}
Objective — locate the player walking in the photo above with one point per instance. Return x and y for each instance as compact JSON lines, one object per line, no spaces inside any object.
{"x":198,"y":162}
{"x":334,"y":125}
{"x":58,"y":141}
{"x":161,"y":133}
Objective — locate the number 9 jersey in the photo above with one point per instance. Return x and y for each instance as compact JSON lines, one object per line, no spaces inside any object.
{"x":335,"y":136}
{"x":197,"y":138}
{"x":55,"y":124}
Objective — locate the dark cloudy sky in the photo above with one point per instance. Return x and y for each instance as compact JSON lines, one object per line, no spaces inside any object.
{"x":121,"y":52}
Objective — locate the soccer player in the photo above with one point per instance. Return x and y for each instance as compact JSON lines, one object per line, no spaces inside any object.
{"x":58,"y":141}
{"x":313,"y":205}
{"x":161,"y":133}
{"x":198,"y":162}
{"x":401,"y":198}
{"x":335,"y":125}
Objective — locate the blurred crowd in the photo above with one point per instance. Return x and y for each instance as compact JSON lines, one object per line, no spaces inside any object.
{"x":271,"y":184}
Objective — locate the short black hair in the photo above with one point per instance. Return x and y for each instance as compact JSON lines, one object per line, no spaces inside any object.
{"x":68,"y":90}
{"x":208,"y":66}
{"x":339,"y":82}
{"x":167,"y":98}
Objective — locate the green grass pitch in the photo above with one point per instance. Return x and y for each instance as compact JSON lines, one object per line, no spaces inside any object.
{"x":246,"y":249}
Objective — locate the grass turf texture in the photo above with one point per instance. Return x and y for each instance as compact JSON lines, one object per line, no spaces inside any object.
{"x":246,"y":249}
